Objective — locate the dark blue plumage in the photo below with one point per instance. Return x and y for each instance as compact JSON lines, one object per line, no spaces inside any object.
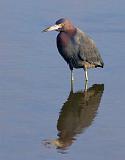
{"x":77,"y":48}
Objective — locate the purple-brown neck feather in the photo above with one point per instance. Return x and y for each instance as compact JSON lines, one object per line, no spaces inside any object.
{"x":62,"y":39}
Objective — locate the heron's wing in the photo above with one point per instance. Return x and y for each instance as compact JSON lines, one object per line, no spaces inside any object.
{"x":88,"y":51}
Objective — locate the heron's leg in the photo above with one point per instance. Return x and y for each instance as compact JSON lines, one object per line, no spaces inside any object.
{"x":72,"y":77}
{"x":72,"y":80}
{"x":86,"y":79}
{"x":86,"y":75}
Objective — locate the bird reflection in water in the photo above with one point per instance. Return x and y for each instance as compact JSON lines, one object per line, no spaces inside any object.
{"x":77,"y":114}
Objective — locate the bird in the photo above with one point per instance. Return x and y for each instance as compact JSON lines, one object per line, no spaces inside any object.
{"x":76,"y":47}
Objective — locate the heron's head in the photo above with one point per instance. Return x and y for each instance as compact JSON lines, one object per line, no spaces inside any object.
{"x":62,"y":24}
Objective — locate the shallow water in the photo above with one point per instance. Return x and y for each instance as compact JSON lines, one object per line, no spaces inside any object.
{"x":39,"y":117}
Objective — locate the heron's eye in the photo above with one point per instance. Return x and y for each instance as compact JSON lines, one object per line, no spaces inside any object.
{"x":62,"y":24}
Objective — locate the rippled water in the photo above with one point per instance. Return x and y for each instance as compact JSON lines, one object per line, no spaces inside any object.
{"x":39,"y":117}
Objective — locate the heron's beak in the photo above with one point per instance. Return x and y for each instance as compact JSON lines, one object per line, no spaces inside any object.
{"x":52,"y":28}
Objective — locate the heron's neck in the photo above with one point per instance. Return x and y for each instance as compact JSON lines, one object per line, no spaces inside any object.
{"x":71,"y":32}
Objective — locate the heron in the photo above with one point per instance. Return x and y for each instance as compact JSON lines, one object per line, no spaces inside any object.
{"x":76,"y":47}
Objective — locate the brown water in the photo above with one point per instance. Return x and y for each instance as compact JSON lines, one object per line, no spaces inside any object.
{"x":39,"y":117}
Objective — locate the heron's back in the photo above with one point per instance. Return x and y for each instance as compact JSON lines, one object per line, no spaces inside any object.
{"x":79,"y":50}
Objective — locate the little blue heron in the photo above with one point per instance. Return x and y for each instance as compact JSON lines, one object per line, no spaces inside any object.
{"x":77,"y":48}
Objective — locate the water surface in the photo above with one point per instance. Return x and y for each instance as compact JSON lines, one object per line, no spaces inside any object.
{"x":39,"y":117}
